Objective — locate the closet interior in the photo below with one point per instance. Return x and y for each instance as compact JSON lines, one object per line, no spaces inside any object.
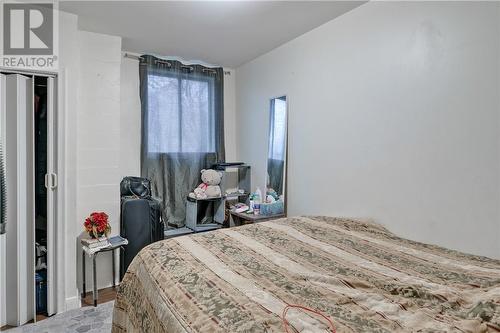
{"x":40,"y":144}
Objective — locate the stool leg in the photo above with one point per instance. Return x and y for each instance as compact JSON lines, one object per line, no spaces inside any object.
{"x":83,"y":273}
{"x":94,"y":293}
{"x":113,"y":267}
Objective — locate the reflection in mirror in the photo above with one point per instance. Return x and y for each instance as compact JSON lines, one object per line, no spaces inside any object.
{"x":276,"y":160}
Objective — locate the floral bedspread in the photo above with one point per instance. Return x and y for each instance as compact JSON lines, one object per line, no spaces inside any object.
{"x":360,"y":275}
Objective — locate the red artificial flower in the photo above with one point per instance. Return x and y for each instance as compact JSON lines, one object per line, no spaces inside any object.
{"x":97,"y":224}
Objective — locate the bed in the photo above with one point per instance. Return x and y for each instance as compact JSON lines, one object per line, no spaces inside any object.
{"x":358,"y":274}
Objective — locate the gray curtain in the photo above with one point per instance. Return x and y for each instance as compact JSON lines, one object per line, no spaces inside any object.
{"x":182,"y":129}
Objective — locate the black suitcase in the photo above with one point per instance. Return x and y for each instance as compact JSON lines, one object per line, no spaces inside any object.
{"x":141,"y":225}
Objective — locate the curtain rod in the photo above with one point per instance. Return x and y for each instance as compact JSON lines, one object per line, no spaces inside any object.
{"x":131,"y":56}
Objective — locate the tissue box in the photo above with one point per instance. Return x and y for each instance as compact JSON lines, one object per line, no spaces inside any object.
{"x":274,"y":208}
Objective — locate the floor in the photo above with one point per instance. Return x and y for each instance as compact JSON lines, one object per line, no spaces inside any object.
{"x":81,"y":320}
{"x":106,"y":296}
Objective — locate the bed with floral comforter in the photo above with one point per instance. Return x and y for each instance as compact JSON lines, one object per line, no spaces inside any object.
{"x":360,"y":275}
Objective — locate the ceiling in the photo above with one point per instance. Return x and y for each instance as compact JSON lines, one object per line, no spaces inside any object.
{"x":227,"y":33}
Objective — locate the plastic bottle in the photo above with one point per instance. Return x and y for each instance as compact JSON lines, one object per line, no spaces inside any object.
{"x":257,"y":201}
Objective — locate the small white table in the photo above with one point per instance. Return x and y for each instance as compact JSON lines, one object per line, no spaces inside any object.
{"x":92,"y":253}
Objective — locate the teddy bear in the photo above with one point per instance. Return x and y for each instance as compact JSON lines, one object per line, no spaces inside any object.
{"x":209,"y":188}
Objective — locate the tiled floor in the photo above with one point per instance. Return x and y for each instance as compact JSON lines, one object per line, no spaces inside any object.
{"x":105,"y":295}
{"x":85,"y":319}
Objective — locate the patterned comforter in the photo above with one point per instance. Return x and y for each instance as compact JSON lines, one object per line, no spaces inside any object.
{"x":364,"y":278}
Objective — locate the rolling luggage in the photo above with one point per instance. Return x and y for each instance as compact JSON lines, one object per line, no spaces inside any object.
{"x":140,"y":222}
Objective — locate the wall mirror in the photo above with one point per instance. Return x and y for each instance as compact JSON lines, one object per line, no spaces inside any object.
{"x":277,"y":153}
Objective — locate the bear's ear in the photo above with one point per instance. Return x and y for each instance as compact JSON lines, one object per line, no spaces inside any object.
{"x":220,"y":174}
{"x":202,"y":171}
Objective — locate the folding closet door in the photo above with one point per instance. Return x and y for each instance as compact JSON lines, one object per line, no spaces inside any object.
{"x":19,"y":169}
{"x":51,"y":184}
{"x":3,"y":257}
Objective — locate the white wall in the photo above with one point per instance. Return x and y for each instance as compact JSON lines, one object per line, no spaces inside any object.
{"x":68,"y":92}
{"x":130,"y":143}
{"x":89,"y":90}
{"x":230,"y":114}
{"x":99,"y":139}
{"x":394,"y":115}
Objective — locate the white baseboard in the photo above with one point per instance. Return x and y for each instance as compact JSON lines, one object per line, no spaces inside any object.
{"x":75,"y":302}
{"x":72,"y":303}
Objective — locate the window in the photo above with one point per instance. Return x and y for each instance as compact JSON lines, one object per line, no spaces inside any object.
{"x":180,"y":114}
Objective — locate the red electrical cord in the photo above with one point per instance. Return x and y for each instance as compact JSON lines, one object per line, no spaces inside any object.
{"x":290,"y":306}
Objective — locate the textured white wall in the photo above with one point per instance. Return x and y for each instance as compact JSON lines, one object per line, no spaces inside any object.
{"x":95,"y":144}
{"x":68,"y":93}
{"x":98,"y":145}
{"x":230,"y":115}
{"x":394,"y":115}
{"x":130,"y":118}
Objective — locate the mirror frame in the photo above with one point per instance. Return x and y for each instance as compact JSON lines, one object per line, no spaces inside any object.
{"x":285,"y":162}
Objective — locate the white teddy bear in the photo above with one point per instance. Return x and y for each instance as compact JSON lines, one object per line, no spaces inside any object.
{"x":210,"y":187}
